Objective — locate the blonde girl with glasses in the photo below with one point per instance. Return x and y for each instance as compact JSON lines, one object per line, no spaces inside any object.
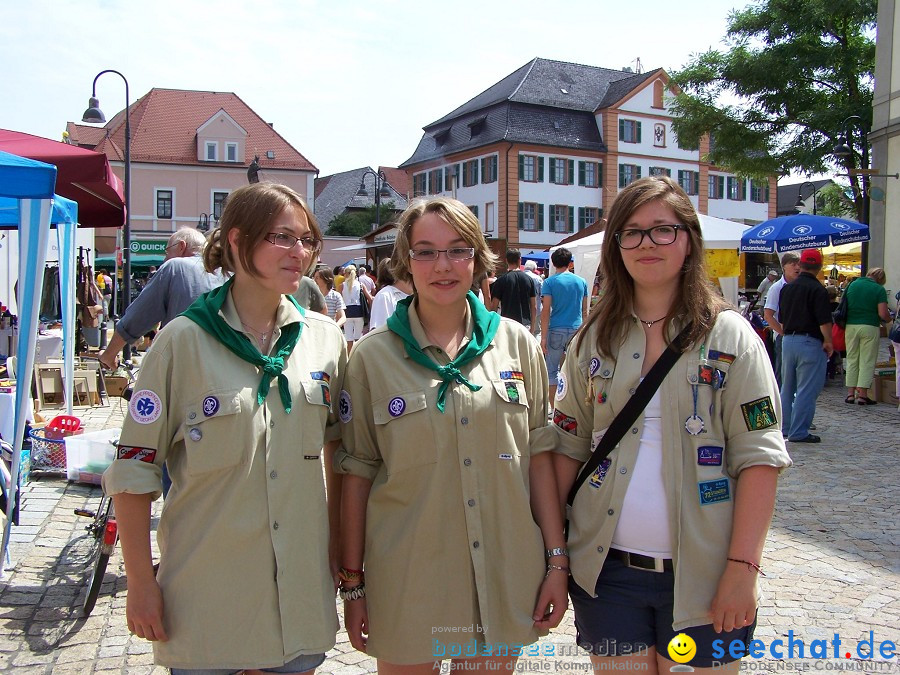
{"x":452,"y":543}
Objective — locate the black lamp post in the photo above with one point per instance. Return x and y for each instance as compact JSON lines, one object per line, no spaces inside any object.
{"x":93,"y":115}
{"x":382,"y":189}
{"x":844,"y":150}
{"x":800,"y":203}
{"x":203,"y":223}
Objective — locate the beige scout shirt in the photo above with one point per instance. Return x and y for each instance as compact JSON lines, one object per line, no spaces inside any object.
{"x":243,"y":535}
{"x":451,"y":544}
{"x":741,"y":415}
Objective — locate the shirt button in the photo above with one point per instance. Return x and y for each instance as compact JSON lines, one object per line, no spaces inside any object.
{"x":475,"y":545}
{"x":467,"y":461}
{"x":693,"y":378}
{"x":274,"y":474}
{"x":195,"y":434}
{"x":272,"y":424}
{"x":634,"y":430}
{"x":610,"y":512}
{"x":464,"y":420}
{"x":631,"y":391}
{"x":605,"y":373}
{"x":599,"y":549}
{"x":623,"y":470}
{"x":275,"y":525}
{"x":471,"y":502}
{"x":636,"y":355}
{"x":192,"y":416}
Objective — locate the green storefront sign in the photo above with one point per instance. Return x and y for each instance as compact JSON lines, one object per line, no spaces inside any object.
{"x":157,"y":246}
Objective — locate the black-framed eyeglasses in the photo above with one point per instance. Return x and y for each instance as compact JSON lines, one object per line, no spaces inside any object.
{"x":661,"y":235}
{"x":432,"y":254}
{"x":289,"y":241}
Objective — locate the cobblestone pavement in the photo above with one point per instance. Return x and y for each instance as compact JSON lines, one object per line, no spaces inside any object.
{"x":832,"y":563}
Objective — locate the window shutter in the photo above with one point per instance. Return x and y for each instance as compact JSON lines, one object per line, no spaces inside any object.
{"x":767,"y":192}
{"x":621,"y":130}
{"x":581,"y":178}
{"x":540,"y":167}
{"x":483,"y":168}
{"x":521,"y":167}
{"x":428,"y":182}
{"x":621,"y":175}
{"x":581,"y":222}
{"x":638,"y":125}
{"x":447,"y":182}
{"x":474,"y":210}
{"x":637,"y":172}
{"x":521,"y":206}
{"x":474,"y":172}
{"x":696,"y":183}
{"x":540,"y":223}
{"x":571,"y":219}
{"x":552,"y":169}
{"x":599,"y":180}
{"x":571,"y":172}
{"x":669,"y":172}
{"x":721,"y":185}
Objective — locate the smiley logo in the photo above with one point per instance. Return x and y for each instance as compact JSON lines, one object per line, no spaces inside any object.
{"x":682,"y":648}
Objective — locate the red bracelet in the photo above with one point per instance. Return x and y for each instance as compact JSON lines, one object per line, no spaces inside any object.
{"x":751,"y":565}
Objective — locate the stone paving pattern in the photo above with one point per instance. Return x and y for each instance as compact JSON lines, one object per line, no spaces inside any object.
{"x":832,"y":562}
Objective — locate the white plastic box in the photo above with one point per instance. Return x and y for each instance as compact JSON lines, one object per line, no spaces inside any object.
{"x":88,"y":455}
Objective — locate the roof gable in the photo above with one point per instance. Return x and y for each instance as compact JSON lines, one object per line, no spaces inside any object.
{"x":221,"y":114}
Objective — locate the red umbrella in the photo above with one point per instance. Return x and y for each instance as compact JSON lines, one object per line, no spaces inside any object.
{"x":83,"y":176}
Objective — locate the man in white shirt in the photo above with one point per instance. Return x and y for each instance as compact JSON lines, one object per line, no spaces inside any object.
{"x":790,"y":263}
{"x":764,"y":286}
{"x":530,"y":267}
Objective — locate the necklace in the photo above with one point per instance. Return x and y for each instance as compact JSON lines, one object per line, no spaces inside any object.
{"x":263,"y":337}
{"x":649,"y":324}
{"x":450,"y":348}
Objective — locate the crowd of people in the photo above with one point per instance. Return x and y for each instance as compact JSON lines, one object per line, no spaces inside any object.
{"x":460,"y":433}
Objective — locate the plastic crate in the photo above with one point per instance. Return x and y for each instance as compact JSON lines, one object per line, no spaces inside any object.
{"x":88,"y":455}
{"x":47,"y":454}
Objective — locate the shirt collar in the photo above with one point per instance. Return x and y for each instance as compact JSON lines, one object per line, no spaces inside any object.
{"x":418,"y":332}
{"x":286,"y":313}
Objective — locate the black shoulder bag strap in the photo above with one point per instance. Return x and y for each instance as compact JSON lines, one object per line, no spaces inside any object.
{"x":630,"y":412}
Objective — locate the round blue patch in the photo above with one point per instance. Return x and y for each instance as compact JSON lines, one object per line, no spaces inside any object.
{"x":210,"y":406}
{"x":396,"y":406}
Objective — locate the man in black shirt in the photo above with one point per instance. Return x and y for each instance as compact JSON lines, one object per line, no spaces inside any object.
{"x":514,"y":292}
{"x":806,"y":317}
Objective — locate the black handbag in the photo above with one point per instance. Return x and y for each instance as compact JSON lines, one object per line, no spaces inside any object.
{"x":839,"y":316}
{"x":630,"y":412}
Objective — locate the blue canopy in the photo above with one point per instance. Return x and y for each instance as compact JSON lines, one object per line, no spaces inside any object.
{"x":27,"y":198}
{"x":800,"y":231}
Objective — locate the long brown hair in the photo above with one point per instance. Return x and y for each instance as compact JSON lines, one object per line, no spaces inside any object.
{"x":696,"y":302}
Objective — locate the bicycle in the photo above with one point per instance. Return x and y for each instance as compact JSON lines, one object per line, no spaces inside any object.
{"x":104,"y":532}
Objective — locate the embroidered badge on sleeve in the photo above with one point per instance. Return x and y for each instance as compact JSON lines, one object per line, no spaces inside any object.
{"x":564,"y":422}
{"x":145,"y":406}
{"x":759,"y":414}
{"x":135,"y":452}
{"x":345,"y":407}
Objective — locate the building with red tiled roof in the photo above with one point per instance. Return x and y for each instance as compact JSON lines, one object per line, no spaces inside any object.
{"x":189,"y":150}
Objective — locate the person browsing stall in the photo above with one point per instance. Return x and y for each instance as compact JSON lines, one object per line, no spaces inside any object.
{"x":449,"y":484}
{"x":235,"y":396}
{"x":686,"y":489}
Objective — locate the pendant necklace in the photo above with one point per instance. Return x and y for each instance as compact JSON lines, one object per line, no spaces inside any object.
{"x":263,"y":337}
{"x":649,"y":324}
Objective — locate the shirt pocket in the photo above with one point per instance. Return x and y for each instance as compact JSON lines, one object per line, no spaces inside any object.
{"x":511,"y":404}
{"x":404,"y":432}
{"x":600,"y":374}
{"x":216,"y":434}
{"x":317,"y":394}
{"x":710,"y":378}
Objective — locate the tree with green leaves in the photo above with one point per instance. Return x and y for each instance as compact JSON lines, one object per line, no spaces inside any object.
{"x":358,"y":223}
{"x":775,"y":99}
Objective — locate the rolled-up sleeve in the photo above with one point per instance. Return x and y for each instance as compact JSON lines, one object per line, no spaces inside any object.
{"x":148,"y":429}
{"x":752,"y":414}
{"x":359,"y":454}
{"x":572,"y":415}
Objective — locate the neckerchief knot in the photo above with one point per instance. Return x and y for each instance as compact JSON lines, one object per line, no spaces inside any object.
{"x":205,"y":313}
{"x":485,"y":327}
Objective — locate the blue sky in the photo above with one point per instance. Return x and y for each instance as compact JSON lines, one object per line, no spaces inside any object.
{"x":346,"y":83}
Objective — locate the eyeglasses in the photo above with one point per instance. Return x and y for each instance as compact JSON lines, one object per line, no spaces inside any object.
{"x":288,"y":241}
{"x":661,"y":235}
{"x":432,"y":254}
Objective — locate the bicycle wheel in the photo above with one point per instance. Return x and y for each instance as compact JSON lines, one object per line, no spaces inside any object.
{"x":105,"y":529}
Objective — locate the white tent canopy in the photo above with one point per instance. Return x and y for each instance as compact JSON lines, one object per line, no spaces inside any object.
{"x":717,"y":233}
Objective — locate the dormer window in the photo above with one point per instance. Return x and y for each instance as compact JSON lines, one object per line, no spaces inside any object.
{"x":212,"y":151}
{"x":477,"y":126}
{"x":441,"y":137}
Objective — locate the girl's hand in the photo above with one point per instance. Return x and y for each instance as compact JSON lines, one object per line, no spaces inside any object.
{"x":552,"y":600}
{"x":734,"y":605}
{"x":144,"y":610}
{"x":356,"y":621}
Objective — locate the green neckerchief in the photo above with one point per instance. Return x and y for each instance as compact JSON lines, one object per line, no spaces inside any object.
{"x":205,"y":313}
{"x":486,"y":324}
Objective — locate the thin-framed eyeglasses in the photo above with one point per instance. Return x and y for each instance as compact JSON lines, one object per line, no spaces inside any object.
{"x":431,"y":254}
{"x":661,"y":235}
{"x":289,"y":241}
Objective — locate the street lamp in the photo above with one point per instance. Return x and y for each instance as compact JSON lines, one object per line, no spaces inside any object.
{"x":203,"y":223}
{"x":93,"y":115}
{"x":382,"y":190}
{"x":800,"y":203}
{"x":844,"y":150}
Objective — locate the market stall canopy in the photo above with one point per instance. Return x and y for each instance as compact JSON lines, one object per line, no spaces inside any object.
{"x":84,"y":176}
{"x":801,"y":231}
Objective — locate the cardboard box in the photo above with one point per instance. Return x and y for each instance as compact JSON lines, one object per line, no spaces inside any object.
{"x":885,"y":389}
{"x":115,"y":385}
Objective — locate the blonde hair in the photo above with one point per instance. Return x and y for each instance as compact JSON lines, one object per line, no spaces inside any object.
{"x":458,"y":216}
{"x":347,"y":285}
{"x":696,"y":303}
{"x":250,"y":210}
{"x":877,"y":275}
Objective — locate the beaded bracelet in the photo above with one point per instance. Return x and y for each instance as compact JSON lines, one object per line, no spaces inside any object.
{"x":749,"y":564}
{"x":561,"y":568}
{"x":346,"y":574}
